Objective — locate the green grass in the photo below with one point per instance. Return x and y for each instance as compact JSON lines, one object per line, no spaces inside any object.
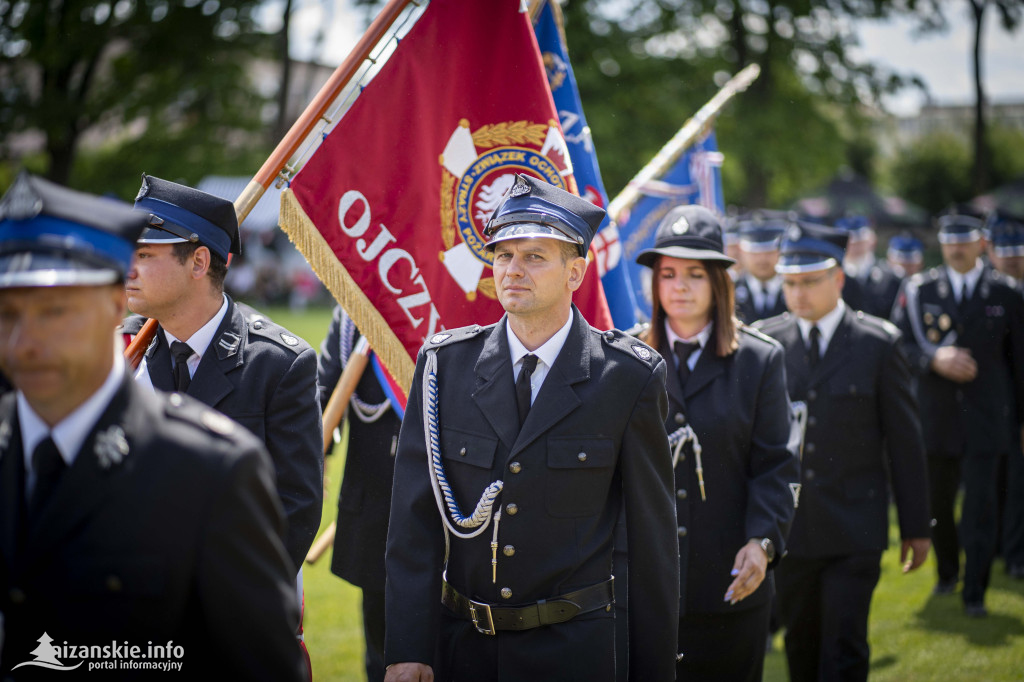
{"x":915,"y":637}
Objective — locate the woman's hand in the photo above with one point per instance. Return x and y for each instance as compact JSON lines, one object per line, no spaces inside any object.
{"x":749,"y":570}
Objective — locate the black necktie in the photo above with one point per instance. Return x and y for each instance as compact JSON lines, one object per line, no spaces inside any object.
{"x":814,"y":352}
{"x":765,"y":301}
{"x":524,"y":391}
{"x":683,"y":351}
{"x":962,"y":303}
{"x":181,"y":352}
{"x":47,"y":465}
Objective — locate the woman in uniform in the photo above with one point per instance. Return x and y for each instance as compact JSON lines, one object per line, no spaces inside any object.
{"x":734,"y":444}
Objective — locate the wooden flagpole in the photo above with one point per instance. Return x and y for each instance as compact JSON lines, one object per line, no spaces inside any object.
{"x":291,"y":142}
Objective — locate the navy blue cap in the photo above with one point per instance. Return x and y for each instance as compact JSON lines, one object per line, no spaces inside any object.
{"x":905,"y":248}
{"x":759,"y":234}
{"x":807,"y":247}
{"x":857,"y":226}
{"x":956,"y":228}
{"x":730,"y":230}
{"x":1006,"y":231}
{"x":535,"y":208}
{"x":687,"y":232}
{"x":180,"y":214}
{"x":53,"y":236}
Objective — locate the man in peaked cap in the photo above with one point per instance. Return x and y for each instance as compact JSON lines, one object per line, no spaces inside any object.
{"x":225,"y":354}
{"x":871,"y":286}
{"x":125,"y":516}
{"x":905,"y":254}
{"x":1005,"y":243}
{"x":759,"y":290}
{"x":559,"y":425}
{"x":963,"y":329}
{"x":863,"y":438}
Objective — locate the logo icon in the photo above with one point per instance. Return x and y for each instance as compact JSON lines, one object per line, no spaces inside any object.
{"x":478,"y":168}
{"x":46,"y":656}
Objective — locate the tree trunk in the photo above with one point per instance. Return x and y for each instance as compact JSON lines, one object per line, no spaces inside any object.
{"x":62,"y":155}
{"x":980,"y":176}
{"x":283,"y":119}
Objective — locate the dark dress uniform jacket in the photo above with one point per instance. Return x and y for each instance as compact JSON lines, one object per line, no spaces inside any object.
{"x":862,"y":421}
{"x":745,"y":309}
{"x":978,"y":417}
{"x":178,"y":541}
{"x":264,"y":378}
{"x":594,"y":440}
{"x":738,"y":407}
{"x":875,"y":293}
{"x":364,"y":502}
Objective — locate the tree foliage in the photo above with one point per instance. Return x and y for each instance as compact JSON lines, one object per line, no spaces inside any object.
{"x":164,"y":79}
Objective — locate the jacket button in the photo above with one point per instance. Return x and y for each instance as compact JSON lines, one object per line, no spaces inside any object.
{"x":506,"y":593}
{"x":809,"y":448}
{"x":582,"y":457}
{"x":462,"y":452}
{"x":682,"y":456}
{"x":681,"y":531}
{"x":812,"y":394}
{"x":681,"y":494}
{"x":811,"y":421}
{"x":257,"y":325}
{"x":809,"y":474}
{"x":16,"y":596}
{"x":512,"y":508}
{"x":680,"y":419}
{"x":113,"y":583}
{"x":515,"y":467}
{"x":508,"y":550}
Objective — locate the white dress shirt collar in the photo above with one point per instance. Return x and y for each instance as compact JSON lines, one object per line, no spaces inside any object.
{"x":956,"y":279}
{"x":202,"y":339}
{"x":546,"y":354}
{"x":700,"y":338}
{"x":827,"y":326}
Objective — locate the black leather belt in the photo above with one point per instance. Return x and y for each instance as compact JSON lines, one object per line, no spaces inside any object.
{"x":489,"y":619}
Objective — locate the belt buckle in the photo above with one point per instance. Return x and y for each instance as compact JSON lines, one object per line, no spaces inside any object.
{"x":474,"y":616}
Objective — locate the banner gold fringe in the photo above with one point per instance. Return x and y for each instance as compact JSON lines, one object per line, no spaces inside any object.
{"x":311,"y":244}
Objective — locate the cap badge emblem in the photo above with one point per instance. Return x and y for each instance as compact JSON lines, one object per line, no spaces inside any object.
{"x":794,"y":234}
{"x":681,"y":226}
{"x":144,"y":190}
{"x":520,"y":187}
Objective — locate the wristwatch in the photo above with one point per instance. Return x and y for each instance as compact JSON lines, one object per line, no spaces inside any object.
{"x":769,"y":548}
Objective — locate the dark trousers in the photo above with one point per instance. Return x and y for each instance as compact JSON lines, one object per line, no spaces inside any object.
{"x":723,"y":647}
{"x":1013,"y":519}
{"x":979,"y":526}
{"x":824,"y":605}
{"x":373,"y":633}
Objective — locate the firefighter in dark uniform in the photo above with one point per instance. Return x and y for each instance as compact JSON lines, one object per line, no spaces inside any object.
{"x":735,"y":446}
{"x":125,"y":516}
{"x":759,"y":289}
{"x":863,"y":438}
{"x":223,"y":353}
{"x":553,"y":426}
{"x":963,"y":326}
{"x":905,"y":255}
{"x":871,"y":286}
{"x":1006,"y":253}
{"x":364,"y":501}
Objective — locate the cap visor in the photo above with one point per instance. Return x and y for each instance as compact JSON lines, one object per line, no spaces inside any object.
{"x":648,"y":257}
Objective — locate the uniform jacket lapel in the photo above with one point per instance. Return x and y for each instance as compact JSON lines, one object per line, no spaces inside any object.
{"x":556,"y":397}
{"x":12,"y":476}
{"x":708,"y":366}
{"x":210,"y":384}
{"x":675,"y":390}
{"x":495,"y":393}
{"x":85,"y":485}
{"x":158,"y":362}
{"x":837,"y":352}
{"x":797,"y":369}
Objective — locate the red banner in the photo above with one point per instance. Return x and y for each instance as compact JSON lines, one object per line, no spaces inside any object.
{"x":400,"y":190}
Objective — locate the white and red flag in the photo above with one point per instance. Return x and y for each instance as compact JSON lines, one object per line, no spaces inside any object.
{"x":390,"y":210}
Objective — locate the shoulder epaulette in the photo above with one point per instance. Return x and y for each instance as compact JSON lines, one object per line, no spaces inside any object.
{"x":194,"y":412}
{"x":630,"y":345}
{"x":450,"y":336}
{"x":266,"y":328}
{"x":758,"y":334}
{"x":771,"y":322}
{"x":880,"y":323}
{"x":132,"y":324}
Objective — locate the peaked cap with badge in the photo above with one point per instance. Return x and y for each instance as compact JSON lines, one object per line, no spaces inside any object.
{"x":534,"y":208}
{"x":179,"y":214}
{"x":809,"y":247}
{"x":1006,"y":232}
{"x":687,"y":232}
{"x":762,"y":230}
{"x":905,"y":248}
{"x":54,"y":236}
{"x":956,"y":228}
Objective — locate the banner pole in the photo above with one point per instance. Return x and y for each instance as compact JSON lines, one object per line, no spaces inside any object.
{"x":291,"y":142}
{"x":618,"y":208}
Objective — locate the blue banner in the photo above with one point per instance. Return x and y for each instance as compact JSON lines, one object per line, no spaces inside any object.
{"x":606,"y":246}
{"x":696,"y":178}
